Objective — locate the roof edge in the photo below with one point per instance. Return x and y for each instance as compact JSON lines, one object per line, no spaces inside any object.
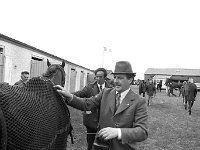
{"x":19,"y":43}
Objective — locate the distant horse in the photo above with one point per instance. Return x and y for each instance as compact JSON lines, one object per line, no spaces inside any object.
{"x":34,"y":116}
{"x":190,"y":92}
{"x":171,"y":85}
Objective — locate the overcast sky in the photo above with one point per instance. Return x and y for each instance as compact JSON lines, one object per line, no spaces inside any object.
{"x":148,"y":33}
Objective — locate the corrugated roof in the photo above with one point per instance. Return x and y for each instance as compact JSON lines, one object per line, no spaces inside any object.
{"x":181,"y":78}
{"x":173,"y":71}
{"x":161,"y":76}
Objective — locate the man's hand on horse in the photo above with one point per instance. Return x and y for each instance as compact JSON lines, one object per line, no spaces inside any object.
{"x":63,"y":92}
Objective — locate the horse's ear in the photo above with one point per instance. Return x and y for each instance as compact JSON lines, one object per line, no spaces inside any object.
{"x":48,"y":63}
{"x":63,"y":64}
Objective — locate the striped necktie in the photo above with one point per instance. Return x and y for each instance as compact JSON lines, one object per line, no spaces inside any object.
{"x":118,"y":96}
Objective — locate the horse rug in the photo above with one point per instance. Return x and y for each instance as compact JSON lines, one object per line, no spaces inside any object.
{"x":33,"y":117}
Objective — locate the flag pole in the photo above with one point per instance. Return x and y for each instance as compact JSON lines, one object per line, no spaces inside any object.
{"x":104,"y":49}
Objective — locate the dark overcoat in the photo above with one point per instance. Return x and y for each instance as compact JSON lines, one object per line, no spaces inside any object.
{"x":90,"y":119}
{"x":142,"y":87}
{"x":20,"y":83}
{"x":131,"y":116}
{"x":190,"y":91}
{"x":150,"y":89}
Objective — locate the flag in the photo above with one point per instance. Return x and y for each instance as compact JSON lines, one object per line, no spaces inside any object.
{"x":105,"y":49}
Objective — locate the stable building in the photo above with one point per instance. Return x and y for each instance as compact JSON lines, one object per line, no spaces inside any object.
{"x":16,"y":56}
{"x":176,"y":74}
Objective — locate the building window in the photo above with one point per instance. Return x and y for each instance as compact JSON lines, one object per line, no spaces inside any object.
{"x":37,"y":58}
{"x":72,"y":69}
{"x":1,"y":50}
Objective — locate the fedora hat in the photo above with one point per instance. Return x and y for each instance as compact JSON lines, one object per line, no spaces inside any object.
{"x":123,"y":67}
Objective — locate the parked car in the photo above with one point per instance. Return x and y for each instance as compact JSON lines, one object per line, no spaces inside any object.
{"x":198,"y":86}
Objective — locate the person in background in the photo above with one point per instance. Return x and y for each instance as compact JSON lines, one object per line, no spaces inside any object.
{"x":24,"y":78}
{"x":142,"y":88}
{"x":190,"y":93}
{"x":171,"y":89}
{"x":159,"y":86}
{"x":123,"y":113}
{"x":91,"y":118}
{"x":151,"y":91}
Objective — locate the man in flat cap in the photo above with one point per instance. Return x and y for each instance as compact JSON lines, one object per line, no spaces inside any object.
{"x":123,"y":113}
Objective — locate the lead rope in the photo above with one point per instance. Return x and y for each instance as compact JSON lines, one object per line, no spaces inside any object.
{"x":70,"y":133}
{"x":79,"y":137}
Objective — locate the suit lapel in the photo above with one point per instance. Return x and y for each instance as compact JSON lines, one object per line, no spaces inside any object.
{"x":95,"y":89}
{"x":111,"y":99}
{"x":127,"y":102}
{"x":108,"y":85}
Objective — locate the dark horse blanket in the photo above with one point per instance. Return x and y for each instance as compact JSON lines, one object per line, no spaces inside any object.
{"x":33,"y":117}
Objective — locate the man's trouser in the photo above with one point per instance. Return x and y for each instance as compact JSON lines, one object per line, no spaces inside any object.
{"x":90,"y":137}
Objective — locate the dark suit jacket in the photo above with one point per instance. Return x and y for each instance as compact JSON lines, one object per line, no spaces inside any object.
{"x":20,"y":83}
{"x":92,"y":89}
{"x":142,"y":87}
{"x":131,"y":116}
{"x":150,"y":89}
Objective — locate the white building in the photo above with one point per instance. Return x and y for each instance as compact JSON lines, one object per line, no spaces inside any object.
{"x":16,"y":57}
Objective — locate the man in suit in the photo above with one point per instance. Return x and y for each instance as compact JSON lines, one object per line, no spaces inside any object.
{"x":91,"y":118}
{"x":151,"y":90}
{"x":142,"y":88}
{"x":123,"y":113}
{"x":190,"y":94}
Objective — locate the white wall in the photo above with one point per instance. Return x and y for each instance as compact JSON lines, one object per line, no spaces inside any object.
{"x":18,"y":59}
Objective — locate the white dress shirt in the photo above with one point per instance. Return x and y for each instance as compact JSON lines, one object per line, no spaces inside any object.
{"x":123,"y":94}
{"x":103,"y":86}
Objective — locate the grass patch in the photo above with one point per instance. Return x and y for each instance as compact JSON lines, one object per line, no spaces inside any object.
{"x":170,"y":126}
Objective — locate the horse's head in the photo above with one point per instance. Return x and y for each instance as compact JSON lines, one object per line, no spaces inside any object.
{"x":167,"y":82}
{"x":56,"y":73}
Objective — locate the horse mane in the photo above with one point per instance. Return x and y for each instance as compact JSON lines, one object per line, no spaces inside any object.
{"x":35,"y":113}
{"x":51,"y":70}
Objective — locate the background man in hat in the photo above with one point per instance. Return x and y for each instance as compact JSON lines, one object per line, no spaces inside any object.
{"x":123,"y":113}
{"x":91,"y":118}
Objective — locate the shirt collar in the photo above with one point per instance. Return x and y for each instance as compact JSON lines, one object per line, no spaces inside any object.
{"x":123,"y":94}
{"x":103,"y":85}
